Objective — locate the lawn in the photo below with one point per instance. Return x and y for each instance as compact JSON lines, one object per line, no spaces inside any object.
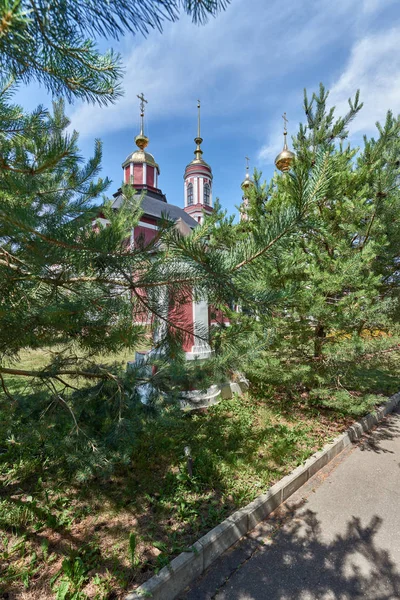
{"x":98,"y":539}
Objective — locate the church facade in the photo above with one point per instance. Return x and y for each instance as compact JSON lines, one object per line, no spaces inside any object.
{"x":142,"y":172}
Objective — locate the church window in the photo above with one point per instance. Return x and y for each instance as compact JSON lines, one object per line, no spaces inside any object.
{"x":190,"y":194}
{"x":206,"y":194}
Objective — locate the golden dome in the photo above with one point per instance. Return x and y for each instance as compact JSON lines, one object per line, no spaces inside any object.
{"x":247,"y":183}
{"x":140,"y":157}
{"x":141,"y":141}
{"x":285,"y":159}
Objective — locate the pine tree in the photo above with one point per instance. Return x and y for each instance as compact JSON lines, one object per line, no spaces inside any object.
{"x":75,"y":288}
{"x":52,"y":43}
{"x":67,"y":286}
{"x":316,"y":263}
{"x":338,"y":272}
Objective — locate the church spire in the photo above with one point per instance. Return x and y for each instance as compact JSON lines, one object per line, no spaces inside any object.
{"x":198,"y":181}
{"x":246,"y":186}
{"x":141,"y":140}
{"x":140,"y":168}
{"x":198,"y":140}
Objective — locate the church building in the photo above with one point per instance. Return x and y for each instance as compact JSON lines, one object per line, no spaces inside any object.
{"x":142,"y":172}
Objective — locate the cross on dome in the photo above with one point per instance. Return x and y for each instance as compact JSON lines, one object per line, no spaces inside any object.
{"x":198,"y":119}
{"x":143,"y":101}
{"x":141,"y":140}
{"x":198,"y":152}
{"x":142,"y":107}
{"x":285,"y":121}
{"x":284,"y":160}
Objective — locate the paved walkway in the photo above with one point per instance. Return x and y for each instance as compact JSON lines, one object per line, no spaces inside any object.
{"x":337,"y":538}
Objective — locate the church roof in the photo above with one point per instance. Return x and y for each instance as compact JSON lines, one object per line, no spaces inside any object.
{"x":157,"y":208}
{"x":140,"y":157}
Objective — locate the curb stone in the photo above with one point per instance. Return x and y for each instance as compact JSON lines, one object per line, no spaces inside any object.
{"x":186,"y":567}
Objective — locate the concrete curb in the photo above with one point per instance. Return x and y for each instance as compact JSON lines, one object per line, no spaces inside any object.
{"x":186,"y":567}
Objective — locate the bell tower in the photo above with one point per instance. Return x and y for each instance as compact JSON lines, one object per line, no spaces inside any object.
{"x":198,"y":181}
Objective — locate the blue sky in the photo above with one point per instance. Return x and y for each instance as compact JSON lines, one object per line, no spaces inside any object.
{"x":247,"y":66}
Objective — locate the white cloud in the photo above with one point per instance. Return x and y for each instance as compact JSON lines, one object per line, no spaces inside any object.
{"x":231,"y":63}
{"x":271,"y":149}
{"x":173,"y":69}
{"x":374,"y":68}
{"x":374,"y":6}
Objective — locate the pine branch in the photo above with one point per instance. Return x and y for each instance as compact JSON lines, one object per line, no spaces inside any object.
{"x":263,"y":250}
{"x":106,"y":375}
{"x":53,"y":45}
{"x":5,"y":389}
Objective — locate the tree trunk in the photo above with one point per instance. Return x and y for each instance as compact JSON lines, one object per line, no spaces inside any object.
{"x":319,"y":340}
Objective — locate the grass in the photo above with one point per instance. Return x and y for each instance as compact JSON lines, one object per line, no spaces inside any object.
{"x":59,"y":540}
{"x":39,"y":359}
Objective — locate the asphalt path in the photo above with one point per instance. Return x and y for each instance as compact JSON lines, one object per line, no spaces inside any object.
{"x":336,"y":538}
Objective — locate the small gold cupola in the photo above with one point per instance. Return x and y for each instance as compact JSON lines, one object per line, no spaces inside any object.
{"x":285,"y":159}
{"x":247,"y":183}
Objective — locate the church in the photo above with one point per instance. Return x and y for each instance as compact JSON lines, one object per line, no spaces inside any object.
{"x":141,"y":170}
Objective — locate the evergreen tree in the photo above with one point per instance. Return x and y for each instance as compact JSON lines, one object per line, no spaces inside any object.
{"x":316,"y":263}
{"x":65,"y":285}
{"x":79,"y":290}
{"x":339,"y":269}
{"x":52,"y":43}
{"x":77,"y":280}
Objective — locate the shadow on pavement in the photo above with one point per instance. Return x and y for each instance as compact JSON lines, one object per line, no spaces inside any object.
{"x":299,"y":564}
{"x":388,"y":430}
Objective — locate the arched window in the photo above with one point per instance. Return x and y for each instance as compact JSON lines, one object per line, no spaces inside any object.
{"x":206,"y":194}
{"x":190,"y":194}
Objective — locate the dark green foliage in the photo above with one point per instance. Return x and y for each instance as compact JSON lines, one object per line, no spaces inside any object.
{"x":76,"y":289}
{"x":309,"y":269}
{"x":68,"y":285}
{"x":337,"y":271}
{"x":52,"y":43}
{"x":314,"y":270}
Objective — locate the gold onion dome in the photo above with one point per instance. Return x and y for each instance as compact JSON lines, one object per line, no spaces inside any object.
{"x":141,"y":141}
{"x":247,"y":183}
{"x":140,"y":157}
{"x":285,"y":159}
